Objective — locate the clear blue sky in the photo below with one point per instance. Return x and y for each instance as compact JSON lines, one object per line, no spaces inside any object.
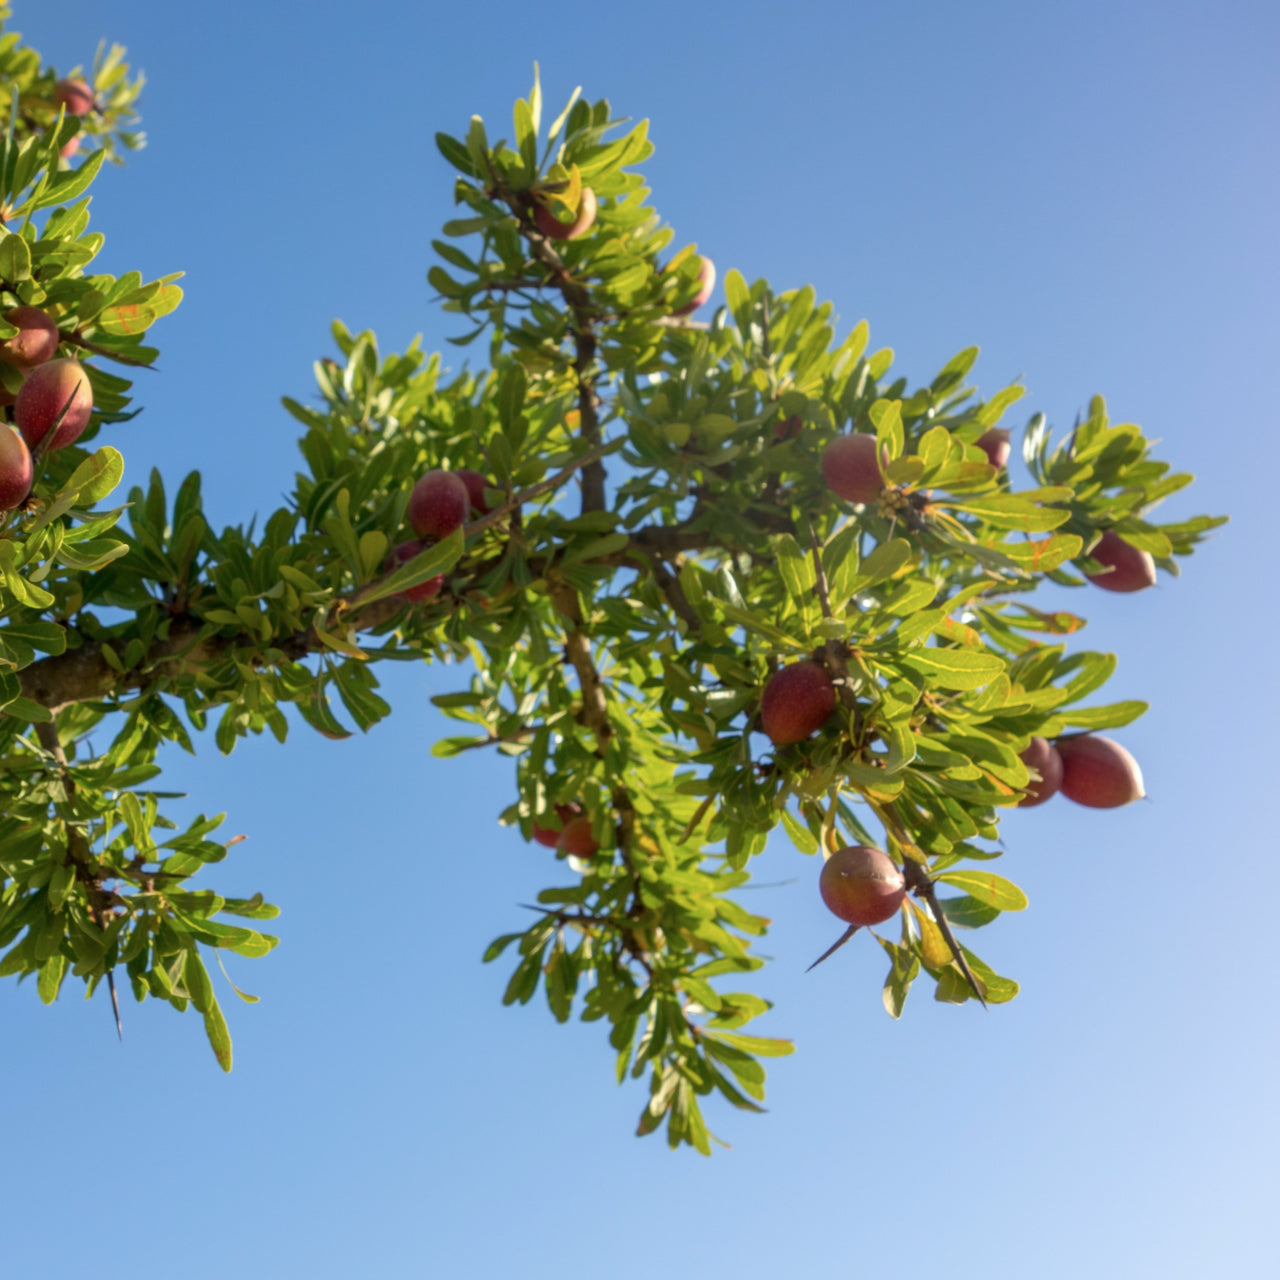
{"x":1089,"y":191}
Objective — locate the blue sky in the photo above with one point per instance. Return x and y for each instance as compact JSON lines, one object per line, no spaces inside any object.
{"x":1089,"y":191}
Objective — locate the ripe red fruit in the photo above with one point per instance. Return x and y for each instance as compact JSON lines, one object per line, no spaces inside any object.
{"x":36,"y":339}
{"x":1042,"y":756}
{"x":707,"y":274}
{"x":16,"y":470}
{"x":1130,"y":569}
{"x":476,"y":485}
{"x":788,"y":428}
{"x":851,"y":468}
{"x":550,"y":836}
{"x":427,"y":590}
{"x":75,"y":95}
{"x":862,"y":885}
{"x":70,"y":147}
{"x":47,"y":390}
{"x":796,"y":702}
{"x":553,"y":228}
{"x":1098,"y":772}
{"x":995,"y":444}
{"x":439,"y":504}
{"x":576,"y":838}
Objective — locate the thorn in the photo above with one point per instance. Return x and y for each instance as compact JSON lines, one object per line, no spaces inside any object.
{"x":834,"y":947}
{"x":115,"y":1003}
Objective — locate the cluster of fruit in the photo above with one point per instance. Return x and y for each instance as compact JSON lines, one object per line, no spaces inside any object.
{"x":582,"y":222}
{"x":51,"y":408}
{"x":862,"y":885}
{"x":440,"y":502}
{"x":852,"y":471}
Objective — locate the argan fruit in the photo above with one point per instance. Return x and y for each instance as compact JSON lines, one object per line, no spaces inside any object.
{"x":48,"y":389}
{"x":439,"y":504}
{"x":796,"y":703}
{"x":75,"y":95}
{"x":1098,"y":772}
{"x":554,"y":229}
{"x":550,"y":836}
{"x":1130,"y":569}
{"x":995,"y":444}
{"x":16,"y":468}
{"x":576,"y":838}
{"x":707,"y":274}
{"x":476,"y":485}
{"x":788,"y":428}
{"x":851,"y":467}
{"x":36,"y":340}
{"x":427,"y":590}
{"x":861,"y":885}
{"x":1042,"y":756}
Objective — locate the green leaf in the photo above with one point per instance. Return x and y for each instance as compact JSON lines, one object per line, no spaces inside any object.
{"x":1008,"y":511}
{"x":795,"y":567}
{"x":954,"y":668}
{"x":884,"y":562}
{"x":15,"y":258}
{"x":967,"y":912}
{"x":988,"y":888}
{"x":50,"y":979}
{"x":887,"y":416}
{"x":1048,"y":553}
{"x":1113,"y":716}
{"x":800,"y":835}
{"x":426,"y":564}
{"x":215,"y":1027}
{"x":759,"y":1045}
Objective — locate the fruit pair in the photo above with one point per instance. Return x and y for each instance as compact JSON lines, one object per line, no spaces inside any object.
{"x":1086,"y":768}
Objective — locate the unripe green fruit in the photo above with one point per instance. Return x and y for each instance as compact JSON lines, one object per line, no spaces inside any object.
{"x":427,"y":590}
{"x":476,"y":485}
{"x":851,"y":468}
{"x":554,"y":229}
{"x":36,"y":340}
{"x":1042,"y":756}
{"x":862,"y":885}
{"x":576,"y":838}
{"x":75,"y":95}
{"x":1130,"y":569}
{"x":707,"y":274}
{"x":995,"y":444}
{"x":47,"y":390}
{"x":16,"y":470}
{"x":439,"y":504}
{"x":1098,"y":772}
{"x":796,"y":702}
{"x":550,"y":836}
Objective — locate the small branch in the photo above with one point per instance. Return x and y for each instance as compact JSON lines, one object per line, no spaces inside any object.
{"x":87,"y":871}
{"x":669,"y":585}
{"x":920,"y":883}
{"x":594,"y":714}
{"x":75,"y":340}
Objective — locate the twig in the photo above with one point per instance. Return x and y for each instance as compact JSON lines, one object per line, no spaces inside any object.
{"x":920,"y":883}
{"x":86,"y":870}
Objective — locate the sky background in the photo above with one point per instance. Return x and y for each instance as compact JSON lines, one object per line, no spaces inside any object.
{"x":1089,"y":191}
